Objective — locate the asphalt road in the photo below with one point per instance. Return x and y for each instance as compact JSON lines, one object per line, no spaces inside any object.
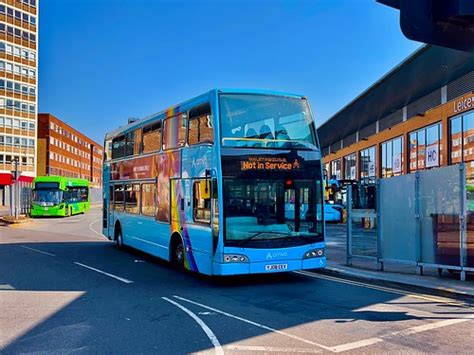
{"x":66,"y":289}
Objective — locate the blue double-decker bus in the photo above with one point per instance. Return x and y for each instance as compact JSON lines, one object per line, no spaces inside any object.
{"x":227,"y":183}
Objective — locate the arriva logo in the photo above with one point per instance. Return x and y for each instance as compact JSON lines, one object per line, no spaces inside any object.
{"x":277,"y":254}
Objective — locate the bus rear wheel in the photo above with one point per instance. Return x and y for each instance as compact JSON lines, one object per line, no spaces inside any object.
{"x":178,"y":255}
{"x":119,"y":238}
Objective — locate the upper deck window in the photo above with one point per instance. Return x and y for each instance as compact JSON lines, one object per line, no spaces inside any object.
{"x":264,"y":121}
{"x":152,"y":137}
{"x":200,"y":125}
{"x":118,"y":147}
{"x":174,"y":132}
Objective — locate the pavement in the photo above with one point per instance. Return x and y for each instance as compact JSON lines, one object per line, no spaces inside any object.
{"x":64,"y":288}
{"x":430,"y":281}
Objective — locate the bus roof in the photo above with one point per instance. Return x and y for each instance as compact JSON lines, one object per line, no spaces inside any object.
{"x":198,"y":100}
{"x":63,"y":181}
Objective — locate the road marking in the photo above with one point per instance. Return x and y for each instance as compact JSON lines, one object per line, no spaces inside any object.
{"x":270,"y":349}
{"x":212,"y":337}
{"x":93,"y":230}
{"x":105,"y":273}
{"x":385,"y":289}
{"x":37,"y":250}
{"x":253,"y":323}
{"x":405,"y":332}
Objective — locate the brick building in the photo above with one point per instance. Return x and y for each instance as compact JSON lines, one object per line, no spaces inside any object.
{"x":64,"y":151}
{"x":18,"y":90}
{"x":418,"y":116}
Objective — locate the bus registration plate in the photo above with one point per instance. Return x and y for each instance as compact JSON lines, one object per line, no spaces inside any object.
{"x":275,"y":267}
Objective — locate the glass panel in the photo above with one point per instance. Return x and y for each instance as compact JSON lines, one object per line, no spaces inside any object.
{"x":397,"y":221}
{"x":266,"y":122}
{"x":432,"y":146}
{"x":148,"y":199}
{"x":118,"y":147}
{"x":262,"y":210}
{"x":350,"y":167}
{"x":132,"y":198}
{"x":456,"y":140}
{"x":152,"y":137}
{"x":119,"y":198}
{"x":421,"y":149}
{"x":439,"y":215}
{"x":468,"y":136}
{"x":200,"y":125}
{"x":413,"y":151}
{"x":336,"y":169}
{"x":174,"y":132}
{"x":397,"y":162}
{"x":202,"y":201}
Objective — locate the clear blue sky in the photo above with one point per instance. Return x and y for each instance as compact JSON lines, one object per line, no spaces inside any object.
{"x":102,"y":61}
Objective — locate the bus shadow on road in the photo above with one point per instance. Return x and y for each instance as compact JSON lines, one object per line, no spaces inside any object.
{"x":82,"y":303}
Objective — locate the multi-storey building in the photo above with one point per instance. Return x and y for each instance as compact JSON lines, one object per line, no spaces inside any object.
{"x":18,"y":90}
{"x":64,"y":151}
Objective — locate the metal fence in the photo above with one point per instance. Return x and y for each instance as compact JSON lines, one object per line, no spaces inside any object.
{"x":18,"y":197}
{"x":421,"y":219}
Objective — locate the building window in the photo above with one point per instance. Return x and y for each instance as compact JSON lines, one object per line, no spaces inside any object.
{"x":350,"y":171}
{"x":336,"y":169}
{"x":367,"y":165}
{"x":425,"y":148}
{"x":392,"y":157}
{"x":148,"y":199}
{"x":200,"y":125}
{"x":462,"y":142}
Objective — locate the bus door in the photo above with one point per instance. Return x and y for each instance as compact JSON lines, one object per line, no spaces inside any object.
{"x":299,"y":204}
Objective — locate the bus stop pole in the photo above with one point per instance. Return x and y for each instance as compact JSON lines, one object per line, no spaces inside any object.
{"x":349,"y":226}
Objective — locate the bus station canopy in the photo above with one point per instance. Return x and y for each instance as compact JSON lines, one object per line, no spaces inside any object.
{"x":424,"y":71}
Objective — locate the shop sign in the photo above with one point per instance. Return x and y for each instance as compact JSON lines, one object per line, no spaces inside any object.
{"x":432,"y":156}
{"x":353,"y":172}
{"x":371,"y":168}
{"x":463,"y":104}
{"x":397,"y":163}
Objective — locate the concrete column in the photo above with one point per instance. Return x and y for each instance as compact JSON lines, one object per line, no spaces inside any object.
{"x":405,"y":113}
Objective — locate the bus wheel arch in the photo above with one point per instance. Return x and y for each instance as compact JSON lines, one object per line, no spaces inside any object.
{"x":177,"y":250}
{"x":118,"y":235}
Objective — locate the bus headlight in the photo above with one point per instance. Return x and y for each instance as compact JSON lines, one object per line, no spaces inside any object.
{"x":235,"y":258}
{"x":61,"y":206}
{"x":316,"y":253}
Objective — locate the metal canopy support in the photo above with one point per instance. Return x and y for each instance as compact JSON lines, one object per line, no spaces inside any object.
{"x":349,"y":226}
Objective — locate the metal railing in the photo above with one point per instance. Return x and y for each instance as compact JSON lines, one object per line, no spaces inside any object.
{"x":420,"y":219}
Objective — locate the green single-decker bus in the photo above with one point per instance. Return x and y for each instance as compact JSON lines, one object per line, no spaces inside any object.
{"x":59,"y":196}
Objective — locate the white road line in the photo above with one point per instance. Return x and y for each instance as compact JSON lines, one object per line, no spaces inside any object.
{"x":253,"y":323}
{"x":93,"y":230}
{"x":37,"y":250}
{"x":212,"y":337}
{"x":105,"y":273}
{"x":272,"y":349}
{"x":405,"y":332}
{"x":381,"y":288}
